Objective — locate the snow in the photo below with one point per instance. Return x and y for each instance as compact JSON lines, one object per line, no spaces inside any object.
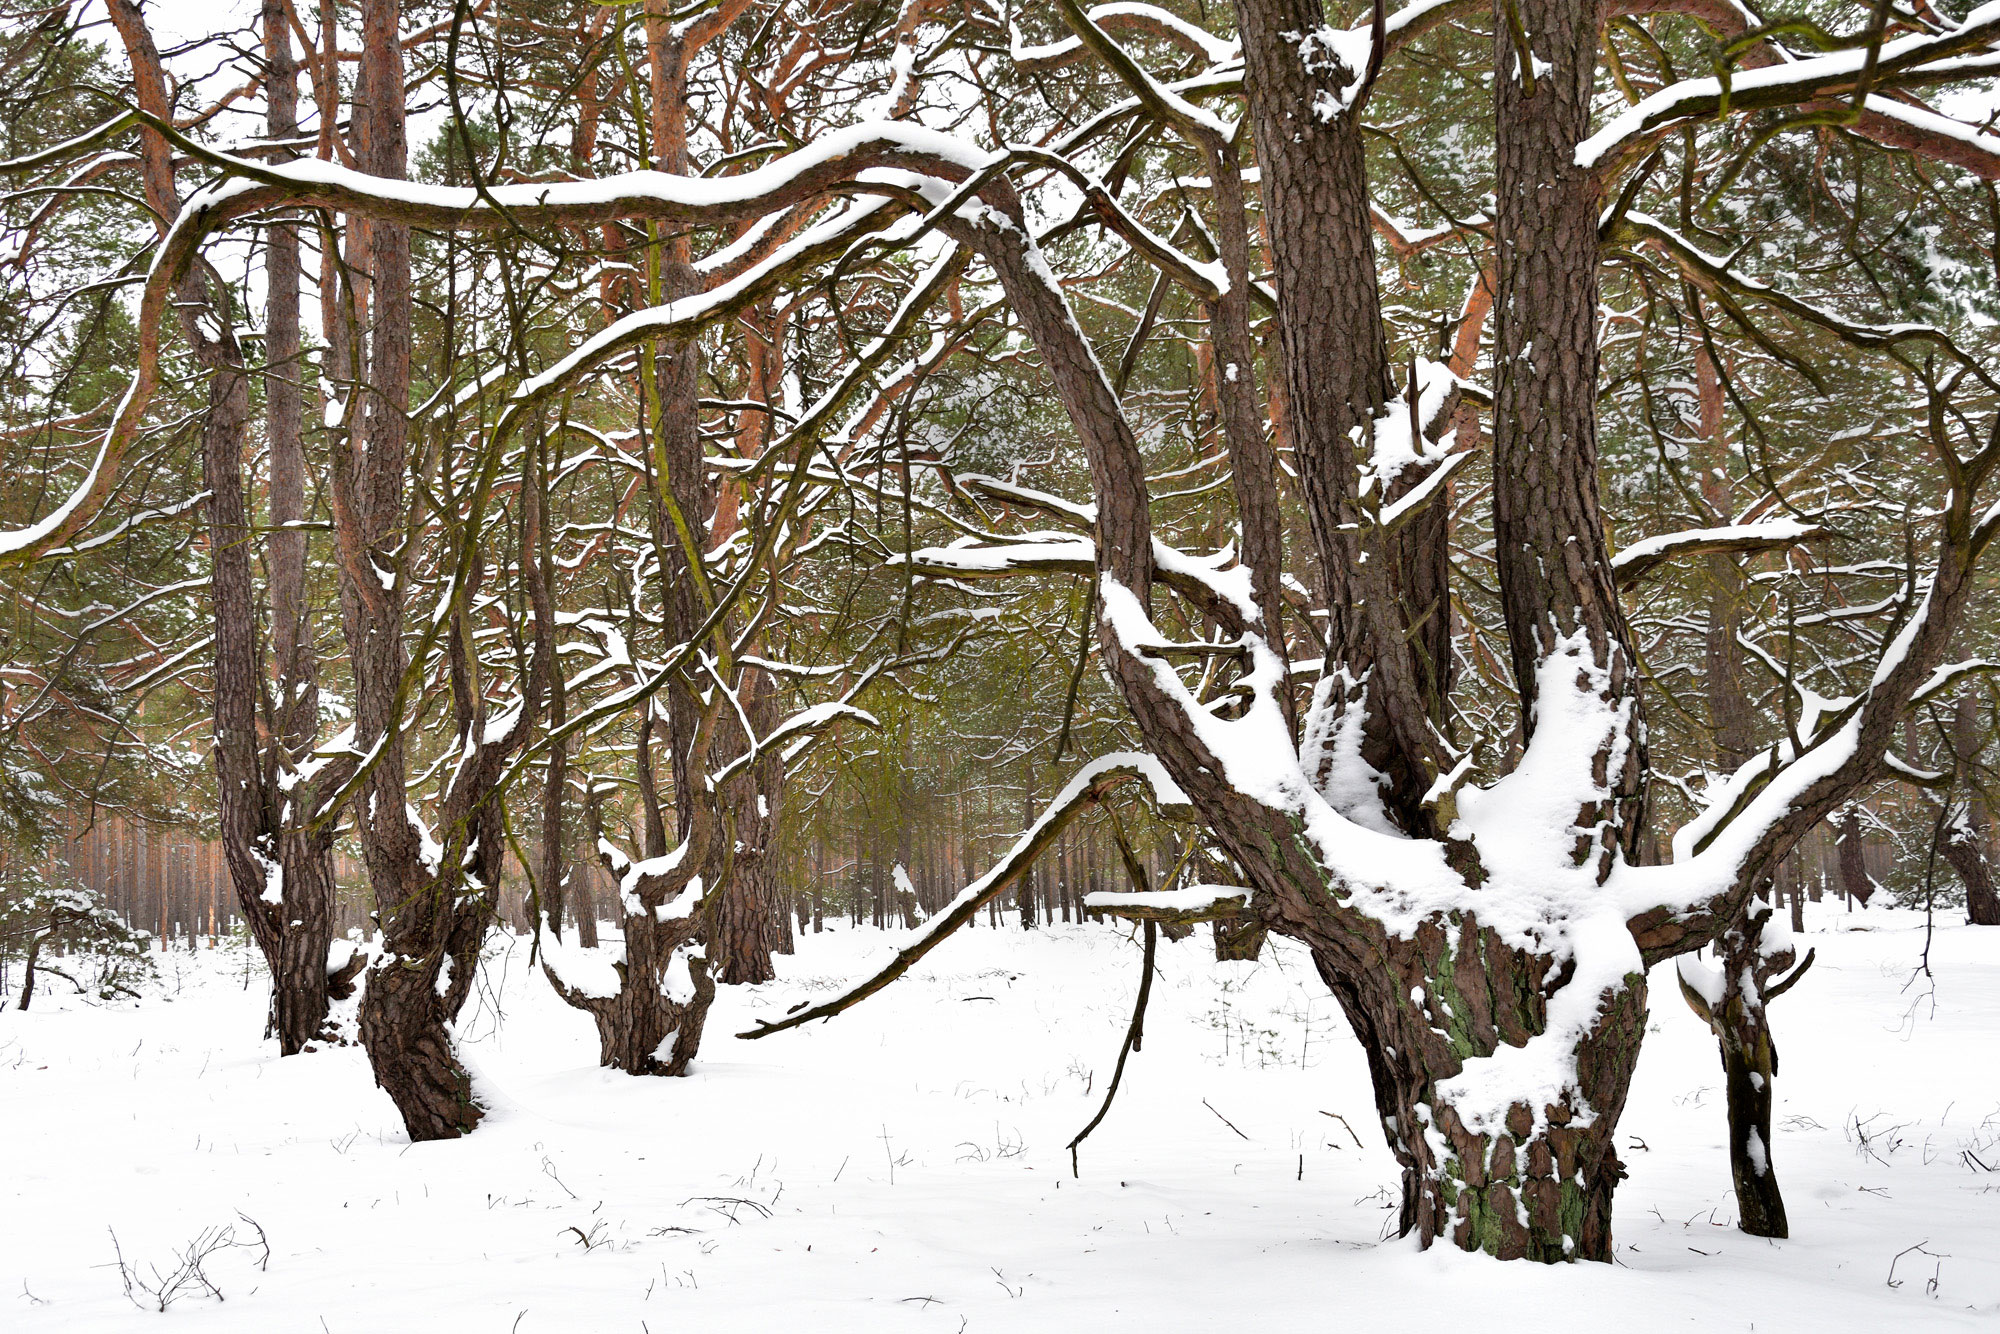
{"x":1215,"y":49}
{"x":429,"y":850}
{"x":638,"y":872}
{"x":682,"y":905}
{"x":1703,"y":979}
{"x":274,"y":876}
{"x":1338,"y":55}
{"x":902,"y":1168}
{"x":587,"y":972}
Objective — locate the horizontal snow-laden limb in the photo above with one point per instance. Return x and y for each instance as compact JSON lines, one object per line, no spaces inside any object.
{"x":1213,"y":581}
{"x":1194,"y":903}
{"x":1092,"y":784}
{"x":1962,"y":51}
{"x":897,"y":158}
{"x":1126,"y":16}
{"x":1635,"y":562}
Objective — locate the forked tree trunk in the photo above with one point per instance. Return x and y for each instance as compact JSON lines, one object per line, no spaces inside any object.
{"x":1520,"y":1179}
{"x":1515,"y":1179}
{"x":280,"y":870}
{"x":643,"y":1030}
{"x":1733,"y":1000}
{"x":652,"y":1024}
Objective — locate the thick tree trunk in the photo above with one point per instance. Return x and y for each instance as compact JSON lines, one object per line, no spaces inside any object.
{"x":433,"y":912}
{"x":404,"y":1027}
{"x":643,"y":1030}
{"x":1964,"y":850}
{"x":652,"y":1024}
{"x":1381,"y":663}
{"x":741,"y":939}
{"x":301,"y":986}
{"x":1519,"y":1179}
{"x":1549,"y":538}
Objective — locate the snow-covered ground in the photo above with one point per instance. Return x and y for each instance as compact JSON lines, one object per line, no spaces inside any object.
{"x":903,"y":1168}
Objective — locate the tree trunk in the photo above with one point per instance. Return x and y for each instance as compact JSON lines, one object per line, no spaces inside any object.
{"x":432,"y":923}
{"x":642,"y":1030}
{"x":1968,"y":841}
{"x":28,"y":964}
{"x":1519,"y":1179}
{"x":1854,"y":881}
{"x":1241,"y":940}
{"x":652,"y":1024}
{"x":1964,"y":850}
{"x":403,"y":1026}
{"x":741,"y":943}
{"x":1739,"y":1023}
{"x":281,"y":872}
{"x":1733,"y":999}
{"x":739,"y":946}
{"x":1025,"y":892}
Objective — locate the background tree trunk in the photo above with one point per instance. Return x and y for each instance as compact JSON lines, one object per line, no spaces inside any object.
{"x":1969,"y":839}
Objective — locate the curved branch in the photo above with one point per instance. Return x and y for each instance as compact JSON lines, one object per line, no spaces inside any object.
{"x":1092,"y":784}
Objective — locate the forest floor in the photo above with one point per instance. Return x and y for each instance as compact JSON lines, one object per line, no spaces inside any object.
{"x":903,"y":1168}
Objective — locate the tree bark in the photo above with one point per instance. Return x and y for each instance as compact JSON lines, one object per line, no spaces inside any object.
{"x":1549,"y":539}
{"x":652,"y":1025}
{"x":1383,"y":651}
{"x":432,"y":919}
{"x":1853,"y":864}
